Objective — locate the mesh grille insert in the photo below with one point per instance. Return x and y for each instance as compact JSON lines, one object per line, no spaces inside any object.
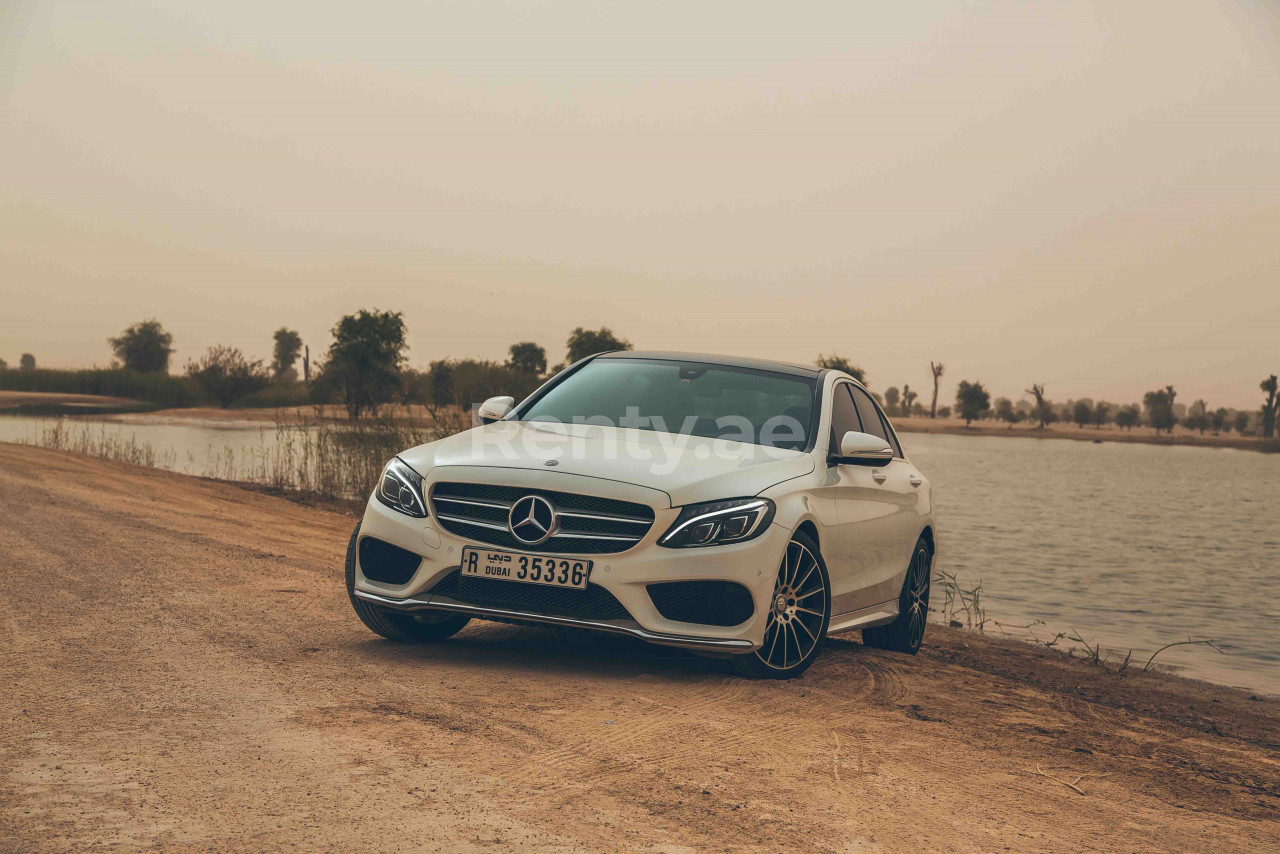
{"x":711,"y":603}
{"x":380,"y":561}
{"x":594,"y":603}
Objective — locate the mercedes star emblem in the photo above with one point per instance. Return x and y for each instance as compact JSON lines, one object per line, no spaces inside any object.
{"x":532,"y":519}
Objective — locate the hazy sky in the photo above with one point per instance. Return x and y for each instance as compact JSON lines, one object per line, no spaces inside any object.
{"x":1081,"y":194}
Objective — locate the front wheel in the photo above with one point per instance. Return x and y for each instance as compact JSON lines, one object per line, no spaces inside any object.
{"x":799,"y":612}
{"x":421,"y":627}
{"x":906,"y":633}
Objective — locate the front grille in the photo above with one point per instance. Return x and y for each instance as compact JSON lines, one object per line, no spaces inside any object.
{"x":587,"y":524}
{"x":711,"y":603}
{"x":594,"y":603}
{"x":381,"y":561}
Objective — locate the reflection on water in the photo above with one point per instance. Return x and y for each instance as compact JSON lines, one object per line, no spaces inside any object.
{"x":1131,"y":545}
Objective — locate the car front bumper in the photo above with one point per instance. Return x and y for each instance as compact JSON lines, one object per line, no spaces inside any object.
{"x":625,"y":575}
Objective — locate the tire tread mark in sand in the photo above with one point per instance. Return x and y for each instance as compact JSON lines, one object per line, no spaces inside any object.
{"x":887,"y":684}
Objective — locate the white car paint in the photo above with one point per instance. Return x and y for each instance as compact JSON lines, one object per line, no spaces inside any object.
{"x":867,"y":518}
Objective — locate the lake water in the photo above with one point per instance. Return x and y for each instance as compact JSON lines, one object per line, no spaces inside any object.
{"x":1132,"y":546}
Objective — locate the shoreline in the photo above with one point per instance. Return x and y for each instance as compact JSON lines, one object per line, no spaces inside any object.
{"x":1181,"y":437}
{"x":128,"y":411}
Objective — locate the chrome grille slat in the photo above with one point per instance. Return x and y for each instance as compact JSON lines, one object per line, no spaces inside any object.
{"x":628,"y":520}
{"x":502,"y":505}
{"x":471,"y":522}
{"x":587,"y":524}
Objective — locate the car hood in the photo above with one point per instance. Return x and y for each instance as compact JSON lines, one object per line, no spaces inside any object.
{"x":689,"y":469}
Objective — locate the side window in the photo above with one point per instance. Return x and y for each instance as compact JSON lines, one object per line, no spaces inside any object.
{"x":844,"y":415}
{"x":893,"y":437}
{"x":870,"y":418}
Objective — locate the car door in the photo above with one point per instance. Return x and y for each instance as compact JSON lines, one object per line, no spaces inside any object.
{"x":897,"y":519}
{"x":863,"y":532}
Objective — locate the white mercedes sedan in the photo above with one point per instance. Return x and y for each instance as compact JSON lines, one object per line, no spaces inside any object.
{"x":736,"y":507}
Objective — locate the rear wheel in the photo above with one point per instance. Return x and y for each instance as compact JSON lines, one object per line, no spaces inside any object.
{"x":906,"y":633}
{"x":799,"y":612}
{"x":418,"y":627}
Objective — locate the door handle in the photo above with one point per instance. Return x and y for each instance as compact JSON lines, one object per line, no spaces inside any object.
{"x":879,"y":476}
{"x":915,"y":480}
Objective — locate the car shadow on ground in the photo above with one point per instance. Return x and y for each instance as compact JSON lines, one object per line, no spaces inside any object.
{"x":579,"y":652}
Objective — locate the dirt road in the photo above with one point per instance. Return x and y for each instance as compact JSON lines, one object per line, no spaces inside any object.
{"x":182,"y":671}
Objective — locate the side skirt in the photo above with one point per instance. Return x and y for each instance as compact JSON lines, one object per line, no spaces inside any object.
{"x":865,"y":618}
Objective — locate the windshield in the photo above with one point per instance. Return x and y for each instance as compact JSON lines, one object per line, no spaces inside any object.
{"x":694,"y":398}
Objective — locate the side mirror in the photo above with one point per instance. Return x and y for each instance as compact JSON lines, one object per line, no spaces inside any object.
{"x":495,"y":409}
{"x":864,"y":449}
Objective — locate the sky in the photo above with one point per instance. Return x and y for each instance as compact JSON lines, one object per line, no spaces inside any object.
{"x":1084,"y":195}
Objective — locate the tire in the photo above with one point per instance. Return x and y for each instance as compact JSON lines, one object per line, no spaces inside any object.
{"x":422,"y":627}
{"x":906,"y":633}
{"x":794,"y":632}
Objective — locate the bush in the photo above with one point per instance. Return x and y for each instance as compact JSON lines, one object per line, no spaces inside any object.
{"x":467,"y":382}
{"x":278,"y":395}
{"x":226,"y":375}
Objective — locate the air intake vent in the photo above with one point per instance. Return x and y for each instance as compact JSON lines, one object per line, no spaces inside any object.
{"x":711,"y":603}
{"x":380,"y":561}
{"x":585,"y":524}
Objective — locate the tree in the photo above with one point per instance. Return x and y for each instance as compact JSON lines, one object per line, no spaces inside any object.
{"x":1128,"y":417}
{"x":226,"y":375}
{"x":1043,"y":408}
{"x":288,"y":347}
{"x":1159,"y":406}
{"x":908,"y":399}
{"x":528,"y":358}
{"x":1242,"y":422}
{"x":1270,"y":386}
{"x":840,"y":363}
{"x":587,"y":342}
{"x":1082,"y":413}
{"x":971,"y":401}
{"x":439,"y":389}
{"x":891,"y":397}
{"x":1219,"y":419}
{"x":4,"y":366}
{"x":944,"y":411}
{"x":1005,"y":412}
{"x":937,"y":374}
{"x":144,"y":347}
{"x":1198,"y":418}
{"x":365,"y":360}
{"x":27,"y":362}
{"x":1101,"y":414}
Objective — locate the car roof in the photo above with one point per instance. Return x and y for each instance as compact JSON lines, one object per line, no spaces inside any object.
{"x":714,"y":359}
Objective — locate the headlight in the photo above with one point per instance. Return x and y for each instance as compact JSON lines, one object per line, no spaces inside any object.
{"x":400,"y":488}
{"x":719,"y":523}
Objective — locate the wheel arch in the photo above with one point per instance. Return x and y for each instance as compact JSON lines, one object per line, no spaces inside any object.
{"x":928,"y":537}
{"x":810,"y":529}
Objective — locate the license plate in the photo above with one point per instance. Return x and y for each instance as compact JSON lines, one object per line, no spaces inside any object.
{"x":533,"y":569}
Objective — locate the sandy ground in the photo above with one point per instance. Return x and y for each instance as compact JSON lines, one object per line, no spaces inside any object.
{"x":183,"y":672}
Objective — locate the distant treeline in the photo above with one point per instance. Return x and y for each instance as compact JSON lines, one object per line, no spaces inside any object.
{"x":365,"y":367}
{"x":159,"y":389}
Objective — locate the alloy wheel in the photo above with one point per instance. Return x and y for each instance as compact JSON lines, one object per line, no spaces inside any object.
{"x":797,"y":610}
{"x":918,"y":596}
